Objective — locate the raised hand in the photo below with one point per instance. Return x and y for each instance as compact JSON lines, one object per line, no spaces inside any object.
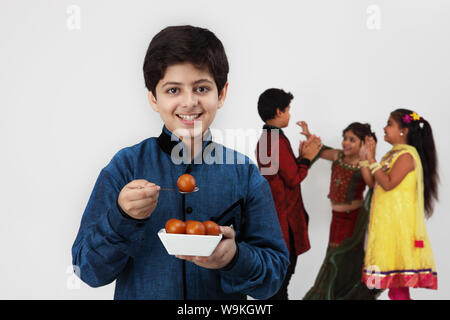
{"x":305,"y":129}
{"x":371,"y":148}
{"x":363,"y":151}
{"x":311,"y":147}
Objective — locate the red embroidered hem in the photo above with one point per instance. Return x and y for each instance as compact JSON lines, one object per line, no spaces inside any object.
{"x":397,"y":279}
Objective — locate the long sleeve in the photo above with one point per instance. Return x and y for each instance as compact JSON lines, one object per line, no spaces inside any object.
{"x":324,"y":147}
{"x":106,"y":238}
{"x":292,"y":170}
{"x":262,"y":257}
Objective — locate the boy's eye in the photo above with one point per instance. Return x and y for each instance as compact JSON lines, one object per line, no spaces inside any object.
{"x":202,"y":89}
{"x":172,"y":91}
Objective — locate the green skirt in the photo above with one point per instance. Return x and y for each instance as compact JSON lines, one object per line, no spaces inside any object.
{"x":339,"y":277}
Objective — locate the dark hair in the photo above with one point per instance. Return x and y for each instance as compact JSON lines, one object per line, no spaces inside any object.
{"x":179,"y":44}
{"x":420,"y":136}
{"x":271,"y":100}
{"x":361,"y":130}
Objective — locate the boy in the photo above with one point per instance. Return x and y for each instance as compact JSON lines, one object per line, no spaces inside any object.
{"x":185,"y":72}
{"x":285,"y":175}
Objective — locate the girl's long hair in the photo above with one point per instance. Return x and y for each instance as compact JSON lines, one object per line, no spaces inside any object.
{"x":420,"y":136}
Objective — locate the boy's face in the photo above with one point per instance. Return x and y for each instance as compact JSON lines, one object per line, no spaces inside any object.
{"x":187,"y":97}
{"x":284,"y":116}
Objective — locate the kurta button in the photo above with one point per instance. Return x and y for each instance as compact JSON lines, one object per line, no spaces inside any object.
{"x":189,"y":210}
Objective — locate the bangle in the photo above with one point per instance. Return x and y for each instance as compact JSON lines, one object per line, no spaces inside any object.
{"x":373,"y":165}
{"x":375,"y":168}
{"x":364,"y":164}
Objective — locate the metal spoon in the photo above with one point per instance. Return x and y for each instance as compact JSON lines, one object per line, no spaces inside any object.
{"x":172,"y":189}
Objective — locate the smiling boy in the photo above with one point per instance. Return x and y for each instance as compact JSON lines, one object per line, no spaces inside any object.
{"x":188,"y":100}
{"x":185,"y":72}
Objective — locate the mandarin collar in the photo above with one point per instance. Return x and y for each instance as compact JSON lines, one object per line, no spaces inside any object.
{"x":271,"y":127}
{"x":167,"y":140}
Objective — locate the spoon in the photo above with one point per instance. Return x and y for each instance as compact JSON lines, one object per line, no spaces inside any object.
{"x":182,"y":192}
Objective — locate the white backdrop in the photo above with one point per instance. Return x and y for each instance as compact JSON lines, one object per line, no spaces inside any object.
{"x":72,"y":94}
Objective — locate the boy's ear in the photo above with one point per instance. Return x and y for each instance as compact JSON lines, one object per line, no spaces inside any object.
{"x":223,"y":95}
{"x":278,"y":112}
{"x":152,"y":100}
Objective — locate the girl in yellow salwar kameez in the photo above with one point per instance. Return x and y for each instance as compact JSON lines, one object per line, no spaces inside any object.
{"x":399,"y":253}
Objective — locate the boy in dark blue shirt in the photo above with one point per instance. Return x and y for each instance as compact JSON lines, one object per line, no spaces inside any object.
{"x":185,"y":71}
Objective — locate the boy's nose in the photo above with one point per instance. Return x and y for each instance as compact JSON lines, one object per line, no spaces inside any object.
{"x":190,"y":100}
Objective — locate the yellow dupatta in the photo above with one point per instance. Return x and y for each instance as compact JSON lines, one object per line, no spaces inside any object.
{"x":420,"y":205}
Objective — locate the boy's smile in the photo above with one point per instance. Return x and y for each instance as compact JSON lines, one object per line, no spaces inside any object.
{"x":187,"y":98}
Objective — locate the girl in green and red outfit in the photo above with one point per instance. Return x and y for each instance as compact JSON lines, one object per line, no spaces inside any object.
{"x":340,"y":274}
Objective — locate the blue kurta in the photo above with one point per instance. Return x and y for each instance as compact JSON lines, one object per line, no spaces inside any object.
{"x":112,"y":246}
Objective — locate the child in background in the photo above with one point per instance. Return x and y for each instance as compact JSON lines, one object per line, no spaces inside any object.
{"x":399,"y":254}
{"x":340,"y":274}
{"x":284,"y":173}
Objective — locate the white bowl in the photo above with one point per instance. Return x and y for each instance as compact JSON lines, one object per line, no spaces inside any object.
{"x":188,"y":244}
